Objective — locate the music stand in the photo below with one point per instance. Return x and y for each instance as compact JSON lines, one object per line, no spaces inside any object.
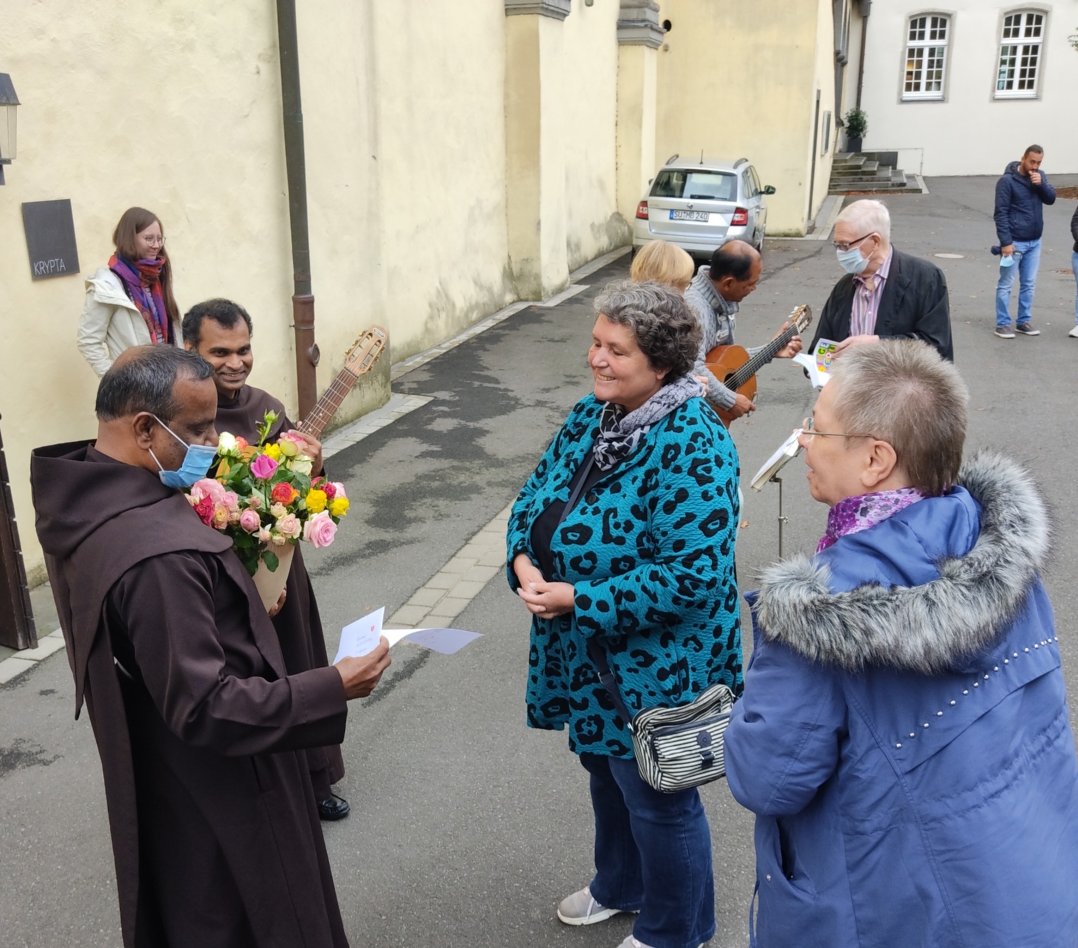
{"x":786,"y":452}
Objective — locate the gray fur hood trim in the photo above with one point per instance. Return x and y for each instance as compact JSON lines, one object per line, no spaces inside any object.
{"x":928,"y":628}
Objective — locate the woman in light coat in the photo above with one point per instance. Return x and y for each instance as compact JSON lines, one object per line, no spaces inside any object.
{"x":130,"y":302}
{"x":903,"y":737}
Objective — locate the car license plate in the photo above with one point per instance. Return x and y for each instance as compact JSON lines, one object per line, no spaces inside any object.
{"x":689,"y":216}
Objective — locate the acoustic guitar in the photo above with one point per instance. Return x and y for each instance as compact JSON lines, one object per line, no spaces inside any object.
{"x":736,"y":369}
{"x":358,"y":361}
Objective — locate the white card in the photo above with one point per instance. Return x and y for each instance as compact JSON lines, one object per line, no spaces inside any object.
{"x":360,"y":637}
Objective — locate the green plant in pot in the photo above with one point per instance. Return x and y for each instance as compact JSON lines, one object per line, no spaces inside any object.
{"x":856,"y":123}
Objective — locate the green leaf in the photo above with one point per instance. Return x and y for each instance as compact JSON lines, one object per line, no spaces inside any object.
{"x":271,"y":560}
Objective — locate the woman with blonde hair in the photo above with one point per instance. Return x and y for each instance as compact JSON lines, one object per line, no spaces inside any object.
{"x":130,"y":302}
{"x":662,"y":262}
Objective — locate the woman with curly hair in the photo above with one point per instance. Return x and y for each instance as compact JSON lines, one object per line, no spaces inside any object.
{"x":621,"y":546}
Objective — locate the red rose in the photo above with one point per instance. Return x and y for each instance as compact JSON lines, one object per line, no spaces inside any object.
{"x":283,"y":493}
{"x":204,"y":508}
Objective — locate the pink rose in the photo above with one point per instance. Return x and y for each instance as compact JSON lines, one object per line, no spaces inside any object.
{"x":250,"y":521}
{"x":263,"y":467}
{"x":264,"y":535}
{"x":338,"y":489}
{"x":207,"y":487}
{"x":289,"y":526}
{"x":319,"y":531}
{"x":229,"y":499}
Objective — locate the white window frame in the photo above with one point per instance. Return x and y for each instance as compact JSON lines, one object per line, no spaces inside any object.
{"x":924,"y":52}
{"x":1021,"y":48}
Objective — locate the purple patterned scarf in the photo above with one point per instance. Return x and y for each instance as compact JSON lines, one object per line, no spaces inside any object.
{"x":853,"y":514}
{"x":142,"y":281}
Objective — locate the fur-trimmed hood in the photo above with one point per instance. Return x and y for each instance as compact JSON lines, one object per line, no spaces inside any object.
{"x":926,"y":628}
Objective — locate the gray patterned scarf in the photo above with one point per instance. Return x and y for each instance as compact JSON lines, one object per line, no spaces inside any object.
{"x":620,"y":433}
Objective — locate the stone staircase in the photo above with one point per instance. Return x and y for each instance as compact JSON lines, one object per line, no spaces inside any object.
{"x":869,"y":171}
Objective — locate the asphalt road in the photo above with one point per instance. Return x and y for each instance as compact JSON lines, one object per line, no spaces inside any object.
{"x":467,"y":827}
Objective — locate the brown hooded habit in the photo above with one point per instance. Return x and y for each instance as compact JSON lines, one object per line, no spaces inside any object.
{"x":214,"y":828}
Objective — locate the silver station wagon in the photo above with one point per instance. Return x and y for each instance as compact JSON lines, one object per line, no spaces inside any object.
{"x":701,"y":205}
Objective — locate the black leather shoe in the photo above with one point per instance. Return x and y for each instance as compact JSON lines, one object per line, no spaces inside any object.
{"x":333,"y":808}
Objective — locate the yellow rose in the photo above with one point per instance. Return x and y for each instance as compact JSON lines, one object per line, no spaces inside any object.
{"x":272,"y":451}
{"x":316,"y":501}
{"x":338,"y":507}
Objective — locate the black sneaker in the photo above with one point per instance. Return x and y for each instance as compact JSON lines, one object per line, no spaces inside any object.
{"x":1026,"y":329}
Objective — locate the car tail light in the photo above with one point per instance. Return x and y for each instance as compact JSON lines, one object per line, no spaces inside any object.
{"x":740,"y":218}
{"x":642,"y":211}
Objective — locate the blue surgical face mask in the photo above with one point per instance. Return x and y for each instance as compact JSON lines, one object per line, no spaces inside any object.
{"x":851,"y":260}
{"x":196,"y":463}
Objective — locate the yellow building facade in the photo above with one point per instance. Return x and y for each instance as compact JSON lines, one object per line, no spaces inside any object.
{"x":458,"y":157}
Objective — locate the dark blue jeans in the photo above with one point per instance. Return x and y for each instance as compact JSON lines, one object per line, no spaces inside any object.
{"x":652,"y":855}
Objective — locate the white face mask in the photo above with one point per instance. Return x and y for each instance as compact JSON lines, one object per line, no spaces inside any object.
{"x":851,"y":260}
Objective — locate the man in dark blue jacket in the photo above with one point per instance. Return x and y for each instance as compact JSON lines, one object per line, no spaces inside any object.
{"x":1020,"y":196}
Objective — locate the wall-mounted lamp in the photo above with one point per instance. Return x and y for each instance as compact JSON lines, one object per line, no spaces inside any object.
{"x":9,"y":102}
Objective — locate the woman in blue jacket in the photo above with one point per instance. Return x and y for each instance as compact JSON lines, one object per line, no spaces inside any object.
{"x":624,"y":537}
{"x":904,"y":736}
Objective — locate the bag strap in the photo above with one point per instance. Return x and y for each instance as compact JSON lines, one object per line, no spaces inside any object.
{"x":580,"y":479}
{"x":597,"y":654}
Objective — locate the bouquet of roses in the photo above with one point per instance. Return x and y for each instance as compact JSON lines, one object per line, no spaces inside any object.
{"x":263,"y":496}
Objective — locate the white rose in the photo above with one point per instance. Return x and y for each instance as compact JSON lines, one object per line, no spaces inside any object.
{"x":226,"y":444}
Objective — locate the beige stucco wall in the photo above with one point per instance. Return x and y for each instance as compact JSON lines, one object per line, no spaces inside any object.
{"x":455,"y":162}
{"x":193,"y":133}
{"x":409,"y":172}
{"x":637,"y":97}
{"x":971,"y":132}
{"x":588,"y":90}
{"x":739,"y":80}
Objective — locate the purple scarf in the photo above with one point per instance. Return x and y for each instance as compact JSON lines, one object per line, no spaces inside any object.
{"x":853,"y":514}
{"x":142,"y":281}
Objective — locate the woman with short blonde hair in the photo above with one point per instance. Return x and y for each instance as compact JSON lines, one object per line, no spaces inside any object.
{"x":662,"y":262}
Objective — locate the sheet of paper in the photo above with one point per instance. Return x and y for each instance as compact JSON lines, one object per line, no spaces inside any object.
{"x":359,"y":637}
{"x":446,"y":641}
{"x":782,"y":456}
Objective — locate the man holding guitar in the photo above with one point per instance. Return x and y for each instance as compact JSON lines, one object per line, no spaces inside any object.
{"x":220,"y":331}
{"x":714,"y":296}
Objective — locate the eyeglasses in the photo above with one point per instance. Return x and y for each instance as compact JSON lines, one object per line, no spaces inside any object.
{"x":809,"y":431}
{"x":155,"y":241}
{"x":845,"y":245}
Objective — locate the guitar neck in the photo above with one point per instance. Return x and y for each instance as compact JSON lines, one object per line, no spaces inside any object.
{"x":315,"y":422}
{"x":756,"y":362}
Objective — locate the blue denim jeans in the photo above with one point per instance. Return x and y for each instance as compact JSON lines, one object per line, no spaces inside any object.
{"x":1027,"y":257}
{"x":1074,"y":267}
{"x":652,"y":855}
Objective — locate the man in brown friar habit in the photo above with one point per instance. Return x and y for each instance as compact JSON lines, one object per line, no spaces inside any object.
{"x":220,"y":331}
{"x":214,"y":828}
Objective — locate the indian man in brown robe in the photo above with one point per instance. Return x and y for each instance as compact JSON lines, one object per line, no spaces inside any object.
{"x":220,"y":331}
{"x":199,"y":727}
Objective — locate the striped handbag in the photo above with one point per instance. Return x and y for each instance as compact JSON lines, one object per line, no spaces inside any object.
{"x":675,"y":748}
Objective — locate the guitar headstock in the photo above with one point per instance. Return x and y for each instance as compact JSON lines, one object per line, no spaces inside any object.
{"x":365,"y":350}
{"x":801,"y":317}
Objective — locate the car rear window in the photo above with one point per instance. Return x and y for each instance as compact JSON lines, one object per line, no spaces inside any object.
{"x":695,"y":185}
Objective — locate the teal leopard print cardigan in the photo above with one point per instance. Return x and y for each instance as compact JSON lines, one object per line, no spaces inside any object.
{"x":650,"y":552}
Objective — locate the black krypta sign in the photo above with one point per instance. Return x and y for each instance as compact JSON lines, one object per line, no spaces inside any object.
{"x":50,"y":239}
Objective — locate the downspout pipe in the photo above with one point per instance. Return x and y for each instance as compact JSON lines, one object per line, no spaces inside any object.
{"x":302,"y":297}
{"x":865,"y":9}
